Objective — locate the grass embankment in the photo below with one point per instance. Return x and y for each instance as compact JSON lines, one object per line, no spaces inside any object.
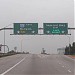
{"x":72,"y":56}
{"x":6,"y":54}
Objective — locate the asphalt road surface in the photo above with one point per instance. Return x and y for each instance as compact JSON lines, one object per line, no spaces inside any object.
{"x":37,"y":64}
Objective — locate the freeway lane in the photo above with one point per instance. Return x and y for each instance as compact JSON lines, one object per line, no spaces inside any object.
{"x":37,"y":64}
{"x":7,"y":62}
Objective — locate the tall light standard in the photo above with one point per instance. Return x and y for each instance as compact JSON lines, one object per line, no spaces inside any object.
{"x":4,"y":39}
{"x":4,"y":36}
{"x":69,"y":43}
{"x":21,"y":44}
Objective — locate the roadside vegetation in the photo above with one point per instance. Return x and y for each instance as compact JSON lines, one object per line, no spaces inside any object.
{"x":7,"y":54}
{"x":70,"y":50}
{"x":12,"y":52}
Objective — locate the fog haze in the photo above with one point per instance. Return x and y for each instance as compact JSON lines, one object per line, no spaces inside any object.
{"x":36,"y":11}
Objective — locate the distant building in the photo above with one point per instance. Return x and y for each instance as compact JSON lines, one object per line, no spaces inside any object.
{"x":61,"y":51}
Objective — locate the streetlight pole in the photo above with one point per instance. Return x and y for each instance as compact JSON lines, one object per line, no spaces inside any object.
{"x":21,"y":44}
{"x":4,"y":36}
{"x":4,"y":40}
{"x":69,"y":44}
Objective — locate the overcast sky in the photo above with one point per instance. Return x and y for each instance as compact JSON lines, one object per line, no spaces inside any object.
{"x":36,"y":11}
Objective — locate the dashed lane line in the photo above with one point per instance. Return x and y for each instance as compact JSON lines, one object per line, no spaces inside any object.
{"x":64,"y":67}
{"x":69,"y":70}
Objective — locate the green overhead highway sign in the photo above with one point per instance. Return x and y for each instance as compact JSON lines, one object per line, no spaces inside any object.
{"x":25,"y":28}
{"x":55,"y":28}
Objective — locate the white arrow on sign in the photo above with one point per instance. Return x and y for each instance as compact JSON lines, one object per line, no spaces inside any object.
{"x":33,"y":31}
{"x":18,"y":31}
{"x":48,"y":31}
{"x":63,"y":31}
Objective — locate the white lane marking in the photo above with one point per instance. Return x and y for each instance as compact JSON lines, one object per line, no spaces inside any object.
{"x":43,"y":56}
{"x":69,"y":70}
{"x":59,"y":63}
{"x":13,"y":67}
{"x":63,"y":66}
{"x":40,"y":56}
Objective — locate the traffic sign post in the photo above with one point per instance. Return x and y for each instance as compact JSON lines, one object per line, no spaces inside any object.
{"x":55,"y":28}
{"x":25,"y":28}
{"x":0,"y":47}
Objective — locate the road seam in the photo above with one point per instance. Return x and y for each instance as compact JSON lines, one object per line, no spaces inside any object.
{"x":12,"y":67}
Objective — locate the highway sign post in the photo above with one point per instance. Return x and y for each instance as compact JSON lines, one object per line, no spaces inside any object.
{"x":0,"y":47}
{"x":55,"y":28}
{"x":25,"y":28}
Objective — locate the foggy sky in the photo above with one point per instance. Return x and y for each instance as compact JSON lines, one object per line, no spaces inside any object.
{"x":36,"y":11}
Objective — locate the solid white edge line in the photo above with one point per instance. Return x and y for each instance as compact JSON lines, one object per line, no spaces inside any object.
{"x":12,"y":67}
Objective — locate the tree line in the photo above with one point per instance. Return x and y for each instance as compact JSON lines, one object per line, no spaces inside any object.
{"x":70,"y":50}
